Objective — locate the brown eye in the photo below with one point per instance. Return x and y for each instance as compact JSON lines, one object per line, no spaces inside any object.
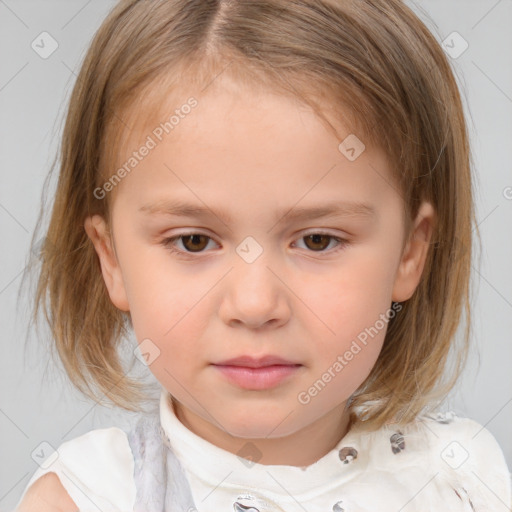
{"x":317,"y":241}
{"x":187,"y":244}
{"x":194,"y":243}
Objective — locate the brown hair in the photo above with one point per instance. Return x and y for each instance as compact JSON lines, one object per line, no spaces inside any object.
{"x":372,"y":61}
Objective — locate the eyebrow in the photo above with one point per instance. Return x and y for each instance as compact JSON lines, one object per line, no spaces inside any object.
{"x":332,"y":209}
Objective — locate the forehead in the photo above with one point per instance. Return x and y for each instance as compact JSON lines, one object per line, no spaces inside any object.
{"x":164,"y":100}
{"x":238,"y":134}
{"x":234,"y":146}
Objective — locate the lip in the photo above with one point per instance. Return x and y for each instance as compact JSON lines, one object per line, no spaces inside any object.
{"x":264,"y":377}
{"x":257,"y":373}
{"x":256,"y":362}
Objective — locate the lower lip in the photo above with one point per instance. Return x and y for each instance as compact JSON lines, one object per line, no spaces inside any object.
{"x":257,"y":378}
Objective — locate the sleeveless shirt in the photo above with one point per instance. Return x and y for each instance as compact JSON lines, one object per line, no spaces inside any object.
{"x":439,"y":462}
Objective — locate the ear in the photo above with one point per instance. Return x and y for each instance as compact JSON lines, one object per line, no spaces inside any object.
{"x":414,"y":254}
{"x":97,"y":231}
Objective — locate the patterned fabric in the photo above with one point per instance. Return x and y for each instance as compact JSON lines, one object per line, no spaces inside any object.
{"x":438,"y":463}
{"x":155,"y":465}
{"x":377,"y":462}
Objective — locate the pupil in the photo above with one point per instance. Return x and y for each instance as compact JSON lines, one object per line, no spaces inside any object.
{"x":316,"y":239}
{"x":194,"y":239}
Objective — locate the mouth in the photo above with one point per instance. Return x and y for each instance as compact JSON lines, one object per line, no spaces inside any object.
{"x":257,"y":362}
{"x":257,"y":378}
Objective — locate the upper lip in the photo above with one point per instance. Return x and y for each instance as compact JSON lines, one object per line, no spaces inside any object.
{"x":253,"y":362}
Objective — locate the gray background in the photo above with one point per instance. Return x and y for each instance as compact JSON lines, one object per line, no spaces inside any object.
{"x":38,"y":404}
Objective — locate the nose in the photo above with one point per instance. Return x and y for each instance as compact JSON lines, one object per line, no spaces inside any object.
{"x":255,"y":296}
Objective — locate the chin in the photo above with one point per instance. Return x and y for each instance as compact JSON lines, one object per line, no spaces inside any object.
{"x":258,"y":425}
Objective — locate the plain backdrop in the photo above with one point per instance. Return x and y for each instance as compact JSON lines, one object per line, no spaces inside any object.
{"x":37,"y":402}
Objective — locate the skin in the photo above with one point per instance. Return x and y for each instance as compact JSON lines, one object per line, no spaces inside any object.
{"x":47,"y":494}
{"x":254,"y":154}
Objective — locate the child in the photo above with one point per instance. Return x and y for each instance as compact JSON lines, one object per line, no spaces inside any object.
{"x":295,"y":375}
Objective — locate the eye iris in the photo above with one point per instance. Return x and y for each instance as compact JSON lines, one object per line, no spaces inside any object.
{"x":316,"y":240}
{"x":195,"y":238}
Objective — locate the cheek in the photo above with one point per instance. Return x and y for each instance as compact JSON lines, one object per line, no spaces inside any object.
{"x":352,"y":312}
{"x":165,"y":315}
{"x":169,"y":327}
{"x":159,"y":293}
{"x":350,"y":298}
{"x":168,"y":309}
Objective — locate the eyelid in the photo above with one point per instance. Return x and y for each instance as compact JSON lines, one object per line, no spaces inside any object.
{"x":342,"y":242}
{"x":301,"y":232}
{"x":318,"y":231}
{"x":169,"y":244}
{"x":192,"y":232}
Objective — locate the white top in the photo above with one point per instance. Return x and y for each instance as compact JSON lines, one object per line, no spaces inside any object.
{"x":438,"y":463}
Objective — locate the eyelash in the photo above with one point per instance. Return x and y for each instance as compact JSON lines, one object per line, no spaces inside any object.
{"x":168,"y":243}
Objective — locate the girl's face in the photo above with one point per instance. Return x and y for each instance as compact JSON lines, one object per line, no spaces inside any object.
{"x":268,"y":271}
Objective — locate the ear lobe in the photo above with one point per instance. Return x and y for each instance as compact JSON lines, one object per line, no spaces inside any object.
{"x":415,"y":254}
{"x":97,"y":231}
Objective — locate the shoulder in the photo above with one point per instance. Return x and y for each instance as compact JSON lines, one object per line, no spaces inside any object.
{"x":462,"y":442}
{"x":94,"y":467}
{"x":109,"y":446}
{"x":464,"y":456}
{"x":47,"y":494}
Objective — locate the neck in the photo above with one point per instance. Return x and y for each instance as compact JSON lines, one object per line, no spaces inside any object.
{"x":315,"y":440}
